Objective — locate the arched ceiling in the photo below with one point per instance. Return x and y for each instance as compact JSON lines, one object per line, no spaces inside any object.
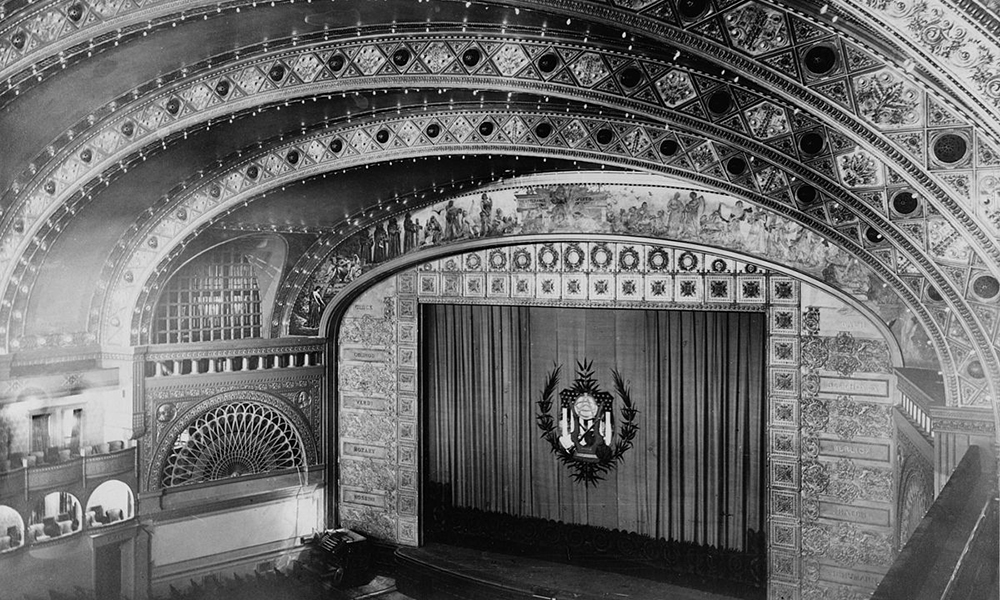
{"x":138,"y":132}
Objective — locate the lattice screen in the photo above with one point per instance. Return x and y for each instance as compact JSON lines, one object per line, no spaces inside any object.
{"x":240,"y":438}
{"x":214,"y":298}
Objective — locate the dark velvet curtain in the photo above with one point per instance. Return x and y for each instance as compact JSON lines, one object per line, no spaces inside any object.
{"x":696,"y":471}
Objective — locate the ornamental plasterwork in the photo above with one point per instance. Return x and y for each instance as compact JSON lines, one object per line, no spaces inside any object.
{"x":207,"y":198}
{"x":561,"y":204}
{"x":204,"y":201}
{"x":162,"y":449}
{"x":763,"y":19}
{"x":209,"y":94}
{"x":949,"y":36}
{"x":831,"y":482}
{"x":847,"y":544}
{"x":202,"y":92}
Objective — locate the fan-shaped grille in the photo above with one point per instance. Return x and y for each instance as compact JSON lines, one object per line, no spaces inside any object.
{"x":242,"y":438}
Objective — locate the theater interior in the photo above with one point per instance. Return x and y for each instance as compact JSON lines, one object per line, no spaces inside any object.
{"x":537,"y":299}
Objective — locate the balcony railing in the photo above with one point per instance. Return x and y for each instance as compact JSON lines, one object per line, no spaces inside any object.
{"x":916,"y":415}
{"x":920,"y":390}
{"x":85,"y":470}
{"x":209,"y":359}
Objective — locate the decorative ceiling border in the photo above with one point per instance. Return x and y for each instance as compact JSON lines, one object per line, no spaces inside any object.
{"x":139,"y":124}
{"x":136,"y":282}
{"x":47,"y":34}
{"x":116,"y":132}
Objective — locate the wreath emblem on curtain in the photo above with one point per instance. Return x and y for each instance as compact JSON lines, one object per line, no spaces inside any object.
{"x":582,"y":435}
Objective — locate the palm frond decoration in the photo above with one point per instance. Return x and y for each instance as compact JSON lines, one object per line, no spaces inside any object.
{"x":589,"y":472}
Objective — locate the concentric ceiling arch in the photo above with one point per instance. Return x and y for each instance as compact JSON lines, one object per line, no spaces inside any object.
{"x":873,"y":156}
{"x":145,"y":268}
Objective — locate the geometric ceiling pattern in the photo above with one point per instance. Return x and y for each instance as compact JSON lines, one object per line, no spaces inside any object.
{"x":128,"y":278}
{"x":895,"y":159}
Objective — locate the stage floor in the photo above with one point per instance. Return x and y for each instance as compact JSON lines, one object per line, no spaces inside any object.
{"x":520,"y":577}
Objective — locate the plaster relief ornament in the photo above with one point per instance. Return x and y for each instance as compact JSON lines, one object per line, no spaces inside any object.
{"x":166,"y":412}
{"x":586,"y":440}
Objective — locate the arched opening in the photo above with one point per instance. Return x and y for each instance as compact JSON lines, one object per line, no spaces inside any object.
{"x":112,"y":502}
{"x":828,"y":360}
{"x":11,"y":529}
{"x":56,"y":515}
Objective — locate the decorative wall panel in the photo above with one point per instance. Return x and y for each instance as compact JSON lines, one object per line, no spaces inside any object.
{"x":174,"y":402}
{"x":371,"y":433}
{"x":849,"y":481}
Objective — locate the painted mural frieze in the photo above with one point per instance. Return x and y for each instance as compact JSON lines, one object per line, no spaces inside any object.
{"x":667,"y":213}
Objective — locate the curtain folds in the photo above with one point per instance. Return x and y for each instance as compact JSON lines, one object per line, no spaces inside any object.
{"x":696,"y":470}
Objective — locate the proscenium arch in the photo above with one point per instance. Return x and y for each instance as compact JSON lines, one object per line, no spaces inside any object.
{"x":857,"y":126}
{"x":329,"y":325}
{"x":332,"y":320}
{"x":468,"y":148}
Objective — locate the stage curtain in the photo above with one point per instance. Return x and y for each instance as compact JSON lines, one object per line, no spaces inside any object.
{"x":696,"y":471}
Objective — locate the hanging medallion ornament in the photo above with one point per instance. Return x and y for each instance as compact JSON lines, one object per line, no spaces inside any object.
{"x":585,"y":439}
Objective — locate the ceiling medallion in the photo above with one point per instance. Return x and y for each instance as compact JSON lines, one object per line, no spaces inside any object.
{"x":628,"y":259}
{"x":600,"y":256}
{"x":659,"y":259}
{"x":498,"y":260}
{"x":574,"y":257}
{"x":586,"y":440}
{"x":548,"y":257}
{"x":687,"y":261}
{"x":522,"y":259}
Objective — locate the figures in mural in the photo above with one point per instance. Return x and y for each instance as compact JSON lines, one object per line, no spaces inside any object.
{"x":380,"y":243}
{"x":411,"y":233}
{"x":367,"y":244}
{"x":316,"y":305}
{"x":485,"y":215}
{"x":694,"y":208}
{"x":392,"y":238}
{"x":433,"y":232}
{"x":656,"y":212}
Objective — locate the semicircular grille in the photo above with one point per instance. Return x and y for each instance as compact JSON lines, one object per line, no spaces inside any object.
{"x":242,"y":438}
